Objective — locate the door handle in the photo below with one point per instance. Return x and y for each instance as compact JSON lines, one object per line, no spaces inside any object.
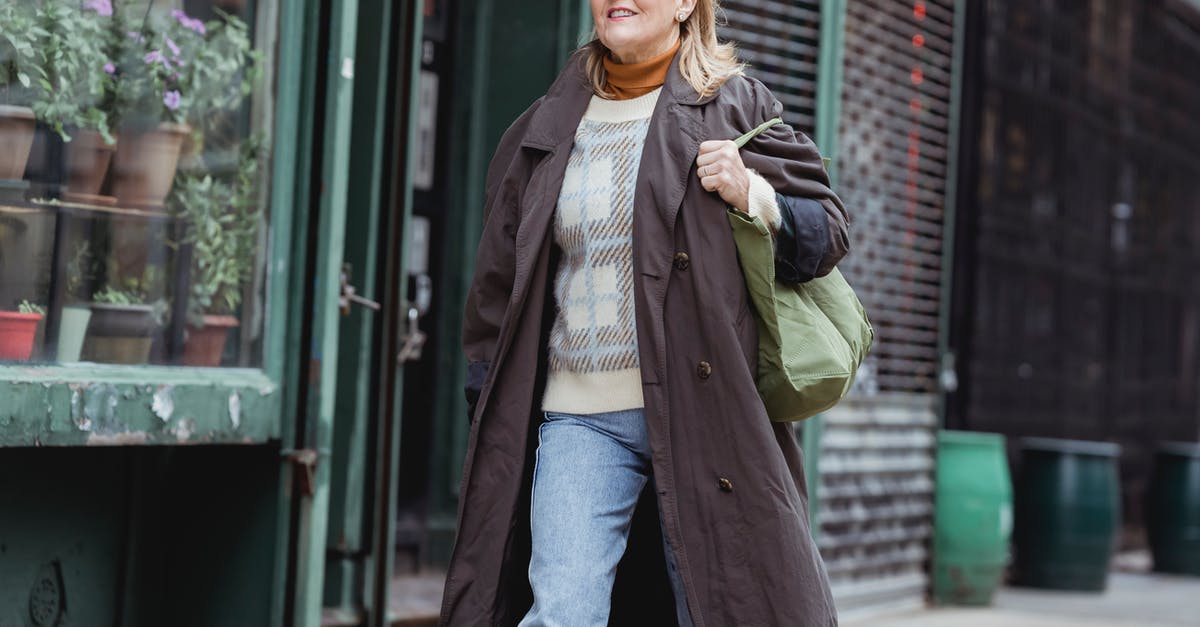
{"x":413,"y":339}
{"x":350,"y":294}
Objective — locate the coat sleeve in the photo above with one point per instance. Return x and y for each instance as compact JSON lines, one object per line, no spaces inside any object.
{"x":814,"y":230}
{"x":495,"y":259}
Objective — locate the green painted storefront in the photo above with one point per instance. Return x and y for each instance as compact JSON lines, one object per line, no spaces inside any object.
{"x":266,"y":494}
{"x":155,"y":495}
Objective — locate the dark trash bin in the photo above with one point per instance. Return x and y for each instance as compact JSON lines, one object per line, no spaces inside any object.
{"x":1173,"y":509}
{"x":1067,"y":514}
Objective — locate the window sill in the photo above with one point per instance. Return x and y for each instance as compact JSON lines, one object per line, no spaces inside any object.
{"x":104,"y":405}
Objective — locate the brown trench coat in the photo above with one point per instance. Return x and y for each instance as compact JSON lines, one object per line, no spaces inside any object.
{"x":729,"y":483}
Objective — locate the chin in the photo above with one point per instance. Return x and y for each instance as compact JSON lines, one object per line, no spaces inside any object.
{"x":617,"y":45}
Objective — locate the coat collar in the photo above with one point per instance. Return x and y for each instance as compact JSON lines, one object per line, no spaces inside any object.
{"x":557,"y":118}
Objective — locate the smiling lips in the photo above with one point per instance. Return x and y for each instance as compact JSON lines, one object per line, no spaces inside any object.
{"x":620,"y":13}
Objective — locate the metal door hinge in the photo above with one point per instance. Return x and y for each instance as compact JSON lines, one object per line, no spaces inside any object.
{"x":304,"y":465}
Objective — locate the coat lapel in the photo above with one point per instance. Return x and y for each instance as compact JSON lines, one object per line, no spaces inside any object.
{"x":672,"y":142}
{"x":551,"y":130}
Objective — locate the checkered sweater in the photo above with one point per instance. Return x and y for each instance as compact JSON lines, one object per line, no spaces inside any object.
{"x":593,"y":352}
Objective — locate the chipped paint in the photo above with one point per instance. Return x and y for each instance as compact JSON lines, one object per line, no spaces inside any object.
{"x":183,"y":429}
{"x":235,"y":410}
{"x":100,"y":409}
{"x":55,"y":406}
{"x":163,"y":404}
{"x":78,"y":416}
{"x":117,"y":439}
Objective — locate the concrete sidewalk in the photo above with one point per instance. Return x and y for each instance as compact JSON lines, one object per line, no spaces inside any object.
{"x":1135,"y":598}
{"x":1132,"y":600}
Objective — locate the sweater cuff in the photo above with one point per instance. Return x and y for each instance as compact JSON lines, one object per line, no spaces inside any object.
{"x":762,"y":202}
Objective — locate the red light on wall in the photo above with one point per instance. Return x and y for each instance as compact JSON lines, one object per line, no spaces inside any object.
{"x":919,"y":40}
{"x":919,"y":10}
{"x":914,"y":105}
{"x":917,"y":76}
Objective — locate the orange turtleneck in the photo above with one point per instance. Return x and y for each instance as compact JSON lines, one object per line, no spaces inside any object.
{"x":630,"y":80}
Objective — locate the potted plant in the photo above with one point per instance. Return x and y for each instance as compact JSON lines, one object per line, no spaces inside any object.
{"x":173,"y":71}
{"x":124,"y":321}
{"x":76,"y":314}
{"x":18,"y":330}
{"x":221,"y":221}
{"x":76,"y":98}
{"x":18,"y":69}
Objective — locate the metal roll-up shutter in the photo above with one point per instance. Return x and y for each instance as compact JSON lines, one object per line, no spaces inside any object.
{"x":779,"y":41}
{"x":877,"y":448}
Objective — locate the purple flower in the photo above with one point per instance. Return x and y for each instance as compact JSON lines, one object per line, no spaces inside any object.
{"x":156,"y":56}
{"x":189,"y":23}
{"x":171,"y":99}
{"x":136,"y":36}
{"x":103,"y":7}
{"x":173,"y":46}
{"x":109,"y":68}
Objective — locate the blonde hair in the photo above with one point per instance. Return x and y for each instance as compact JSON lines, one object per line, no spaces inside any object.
{"x":704,"y":62}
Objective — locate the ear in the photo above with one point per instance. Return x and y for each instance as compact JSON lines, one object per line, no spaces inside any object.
{"x":685,"y":7}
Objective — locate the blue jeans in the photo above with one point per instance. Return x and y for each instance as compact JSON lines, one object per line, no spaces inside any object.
{"x":588,"y":475}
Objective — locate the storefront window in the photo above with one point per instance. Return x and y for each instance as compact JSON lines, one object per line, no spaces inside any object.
{"x":132,"y":182}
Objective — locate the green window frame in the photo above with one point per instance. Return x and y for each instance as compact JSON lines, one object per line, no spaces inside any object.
{"x":103,"y":404}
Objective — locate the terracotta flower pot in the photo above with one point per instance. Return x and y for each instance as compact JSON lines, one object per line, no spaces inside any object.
{"x":120,"y":334}
{"x":17,"y":331}
{"x":16,"y":138}
{"x":88,"y":163}
{"x":205,"y":345}
{"x":143,"y":169}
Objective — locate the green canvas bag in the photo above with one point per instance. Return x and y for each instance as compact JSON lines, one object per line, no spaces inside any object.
{"x":811,"y":337}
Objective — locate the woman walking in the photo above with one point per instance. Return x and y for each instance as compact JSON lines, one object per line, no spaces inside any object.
{"x":621,"y":467}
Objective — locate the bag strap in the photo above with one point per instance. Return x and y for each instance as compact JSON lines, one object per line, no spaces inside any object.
{"x":762,"y":128}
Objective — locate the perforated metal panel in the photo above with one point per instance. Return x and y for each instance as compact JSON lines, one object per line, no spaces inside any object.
{"x":779,"y":40}
{"x":892,"y":174}
{"x":878,"y":447}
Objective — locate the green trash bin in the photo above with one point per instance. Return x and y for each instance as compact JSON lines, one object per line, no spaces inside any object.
{"x":1173,"y":509}
{"x":1067,"y":514}
{"x":972,"y":519}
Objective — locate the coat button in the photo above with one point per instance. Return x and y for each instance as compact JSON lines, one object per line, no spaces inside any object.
{"x":725,"y":484}
{"x":682,"y":261}
{"x":704,"y":370}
